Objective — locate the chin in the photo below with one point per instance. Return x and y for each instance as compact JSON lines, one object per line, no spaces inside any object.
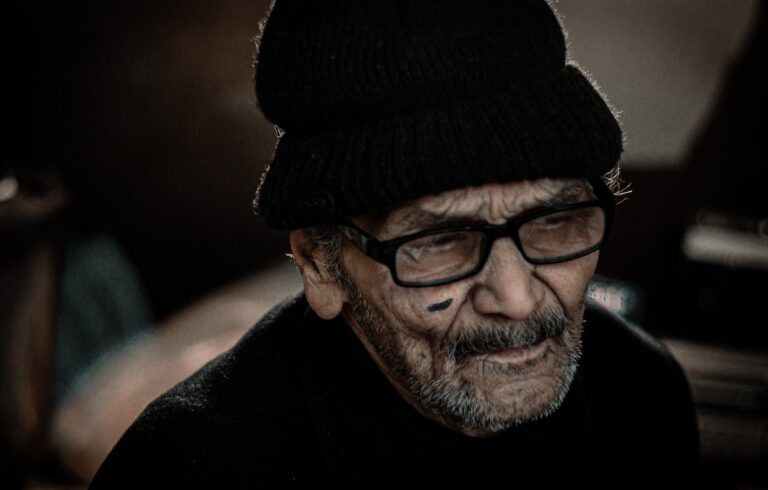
{"x":537,"y":400}
{"x":512,"y":408}
{"x":492,"y":397}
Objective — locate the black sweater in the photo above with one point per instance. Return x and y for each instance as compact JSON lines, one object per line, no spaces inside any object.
{"x":299,"y":403}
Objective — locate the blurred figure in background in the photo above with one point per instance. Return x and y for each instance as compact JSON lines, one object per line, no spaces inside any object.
{"x":30,"y":202}
{"x":92,"y":253}
{"x":68,"y":300}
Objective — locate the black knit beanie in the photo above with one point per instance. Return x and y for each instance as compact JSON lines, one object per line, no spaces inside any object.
{"x":384,"y":101}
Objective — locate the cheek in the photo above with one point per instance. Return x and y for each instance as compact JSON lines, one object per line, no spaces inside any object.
{"x":412,"y":310}
{"x":422,"y":311}
{"x":417,"y":311}
{"x":568,"y":281}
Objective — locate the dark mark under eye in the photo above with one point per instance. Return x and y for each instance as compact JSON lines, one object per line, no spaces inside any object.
{"x":440,"y":306}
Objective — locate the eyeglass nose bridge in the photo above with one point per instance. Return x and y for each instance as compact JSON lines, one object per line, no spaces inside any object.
{"x":494,"y":232}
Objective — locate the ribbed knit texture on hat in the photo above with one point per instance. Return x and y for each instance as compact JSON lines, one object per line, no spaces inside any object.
{"x":385,"y":101}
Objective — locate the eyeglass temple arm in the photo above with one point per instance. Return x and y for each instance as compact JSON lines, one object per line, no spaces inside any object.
{"x":365,"y":242}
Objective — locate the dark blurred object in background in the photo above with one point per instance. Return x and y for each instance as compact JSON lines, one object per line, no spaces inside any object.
{"x":31,"y":204}
{"x":141,"y":117}
{"x":694,"y":242}
{"x":32,"y":200}
{"x":150,"y":115}
{"x":663,"y":229}
{"x":721,"y":271}
{"x":723,"y":261}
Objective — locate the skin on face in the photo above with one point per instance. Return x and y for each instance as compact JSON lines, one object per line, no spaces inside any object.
{"x":408,"y":331}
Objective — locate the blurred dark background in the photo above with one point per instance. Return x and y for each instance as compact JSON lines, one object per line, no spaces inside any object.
{"x":148,"y":113}
{"x":136,"y":123}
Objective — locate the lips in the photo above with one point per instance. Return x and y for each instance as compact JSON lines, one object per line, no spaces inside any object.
{"x":492,"y":345}
{"x":514,"y":342}
{"x":519,"y":355}
{"x":514,"y":355}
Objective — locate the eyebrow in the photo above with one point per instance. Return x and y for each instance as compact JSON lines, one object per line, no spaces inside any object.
{"x":569,"y":194}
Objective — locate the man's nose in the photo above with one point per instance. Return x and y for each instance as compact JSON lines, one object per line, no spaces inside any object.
{"x":507,"y":284}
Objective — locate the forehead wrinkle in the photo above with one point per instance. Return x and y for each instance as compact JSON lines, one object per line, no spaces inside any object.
{"x":569,"y":192}
{"x":493,"y":203}
{"x":419,"y":217}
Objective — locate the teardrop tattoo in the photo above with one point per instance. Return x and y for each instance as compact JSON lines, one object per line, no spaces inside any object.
{"x":440,"y":306}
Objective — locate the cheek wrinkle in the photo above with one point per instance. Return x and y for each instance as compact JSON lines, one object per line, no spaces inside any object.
{"x":440,"y":306}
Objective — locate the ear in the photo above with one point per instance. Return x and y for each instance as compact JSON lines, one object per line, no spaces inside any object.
{"x":324,"y":294}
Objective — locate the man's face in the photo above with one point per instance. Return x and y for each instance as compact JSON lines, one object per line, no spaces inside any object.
{"x":487,"y":352}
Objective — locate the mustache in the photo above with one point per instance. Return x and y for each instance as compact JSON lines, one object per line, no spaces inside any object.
{"x":487,"y":338}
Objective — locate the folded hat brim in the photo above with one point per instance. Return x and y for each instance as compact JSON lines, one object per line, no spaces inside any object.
{"x":557,"y":128}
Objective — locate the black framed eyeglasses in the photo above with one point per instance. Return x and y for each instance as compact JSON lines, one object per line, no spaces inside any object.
{"x":441,"y":256}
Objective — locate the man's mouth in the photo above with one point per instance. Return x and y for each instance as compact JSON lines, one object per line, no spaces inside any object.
{"x":518,"y":355}
{"x":510,"y":344}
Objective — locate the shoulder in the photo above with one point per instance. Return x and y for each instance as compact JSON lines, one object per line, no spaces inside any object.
{"x":627,"y":359}
{"x":638,"y":394}
{"x":244,"y":379}
{"x":240,"y":415}
{"x":608,"y":338}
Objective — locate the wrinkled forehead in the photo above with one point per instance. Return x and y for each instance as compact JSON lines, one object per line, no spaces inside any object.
{"x":492,"y":203}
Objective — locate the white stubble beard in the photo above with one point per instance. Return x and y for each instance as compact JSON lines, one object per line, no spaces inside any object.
{"x":443,"y":389}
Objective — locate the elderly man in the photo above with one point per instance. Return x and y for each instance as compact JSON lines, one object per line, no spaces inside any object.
{"x":448,"y":180}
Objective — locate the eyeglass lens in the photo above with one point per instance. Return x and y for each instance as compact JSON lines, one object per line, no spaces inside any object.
{"x":441,"y":256}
